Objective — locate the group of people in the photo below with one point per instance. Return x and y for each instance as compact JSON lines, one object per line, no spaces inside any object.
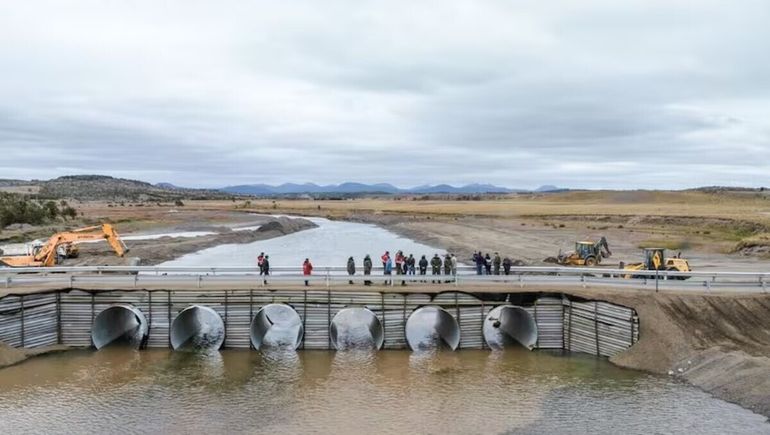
{"x":408,"y":265}
{"x":486,"y":265}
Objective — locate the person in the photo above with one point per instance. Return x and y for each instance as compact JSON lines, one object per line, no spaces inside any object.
{"x":479,"y":260}
{"x":260,"y":260}
{"x":265,"y":268}
{"x":423,"y":266}
{"x":454,"y":265}
{"x":447,"y":265}
{"x":507,"y":265}
{"x":496,"y":262}
{"x":435,"y":263}
{"x":410,"y":264}
{"x":351,"y":268}
{"x":385,"y":257}
{"x":367,"y":268}
{"x":400,"y":265}
{"x":488,"y":264}
{"x":388,"y":269}
{"x":307,"y":269}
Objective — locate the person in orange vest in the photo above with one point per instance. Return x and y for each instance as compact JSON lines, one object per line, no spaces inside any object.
{"x":307,"y":269}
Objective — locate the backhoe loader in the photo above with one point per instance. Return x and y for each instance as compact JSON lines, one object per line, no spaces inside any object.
{"x":586,"y":254}
{"x":655,"y":259}
{"x":63,"y":245}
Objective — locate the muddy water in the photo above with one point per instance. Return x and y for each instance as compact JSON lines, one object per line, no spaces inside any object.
{"x":330,"y":244}
{"x":157,"y":391}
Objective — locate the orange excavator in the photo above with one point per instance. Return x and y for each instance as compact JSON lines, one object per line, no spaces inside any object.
{"x":63,"y":245}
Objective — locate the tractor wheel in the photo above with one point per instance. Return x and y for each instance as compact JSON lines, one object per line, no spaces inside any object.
{"x":590,"y":261}
{"x":674,"y":269}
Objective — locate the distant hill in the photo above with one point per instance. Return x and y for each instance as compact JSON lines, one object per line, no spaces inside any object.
{"x":347,"y":188}
{"x":103,"y":187}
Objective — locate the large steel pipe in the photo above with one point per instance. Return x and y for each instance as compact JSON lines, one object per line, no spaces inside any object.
{"x":356,"y":328}
{"x":509,"y":325}
{"x":432,"y":327}
{"x":197,"y":327}
{"x":276,"y":325}
{"x":119,"y":324}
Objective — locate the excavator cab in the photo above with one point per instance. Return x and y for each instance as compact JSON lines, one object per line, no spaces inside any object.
{"x":655,"y":259}
{"x":587,"y":253}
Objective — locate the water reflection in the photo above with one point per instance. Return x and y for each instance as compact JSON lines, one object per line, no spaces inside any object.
{"x":283,"y":391}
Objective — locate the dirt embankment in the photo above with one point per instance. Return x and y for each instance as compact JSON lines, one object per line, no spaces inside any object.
{"x":11,"y":355}
{"x":720,"y":343}
{"x":152,"y":252}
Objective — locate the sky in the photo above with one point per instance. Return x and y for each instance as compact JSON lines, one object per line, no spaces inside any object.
{"x":582,"y":94}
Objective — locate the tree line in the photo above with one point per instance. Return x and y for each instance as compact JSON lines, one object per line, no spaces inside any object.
{"x":21,"y":209}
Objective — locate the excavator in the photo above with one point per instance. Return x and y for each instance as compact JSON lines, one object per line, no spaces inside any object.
{"x":586,"y":254}
{"x":63,"y":245}
{"x":655,"y":259}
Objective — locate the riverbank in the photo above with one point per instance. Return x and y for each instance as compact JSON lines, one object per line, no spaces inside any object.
{"x":719,"y":343}
{"x":11,"y":356}
{"x":156,"y":251}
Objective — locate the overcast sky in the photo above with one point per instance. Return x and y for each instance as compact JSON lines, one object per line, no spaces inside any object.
{"x":584,"y":93}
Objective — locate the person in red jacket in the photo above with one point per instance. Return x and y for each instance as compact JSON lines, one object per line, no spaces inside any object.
{"x":307,"y":269}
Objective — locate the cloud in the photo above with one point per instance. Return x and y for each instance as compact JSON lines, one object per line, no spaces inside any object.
{"x":576,"y":93}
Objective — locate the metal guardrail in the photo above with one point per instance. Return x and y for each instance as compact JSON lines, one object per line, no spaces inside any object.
{"x":466,"y":276}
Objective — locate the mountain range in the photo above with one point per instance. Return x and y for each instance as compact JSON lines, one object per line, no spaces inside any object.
{"x":311,"y":188}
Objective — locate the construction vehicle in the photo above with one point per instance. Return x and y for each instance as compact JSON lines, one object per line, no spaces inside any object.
{"x":63,"y":245}
{"x":655,"y":259}
{"x":586,"y":254}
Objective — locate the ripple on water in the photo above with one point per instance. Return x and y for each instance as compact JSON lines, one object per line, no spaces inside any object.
{"x":353,"y":391}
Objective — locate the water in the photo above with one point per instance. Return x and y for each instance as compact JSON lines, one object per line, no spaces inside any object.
{"x":158,"y":391}
{"x":328,"y":245}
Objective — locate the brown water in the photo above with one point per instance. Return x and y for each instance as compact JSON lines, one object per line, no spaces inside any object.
{"x":157,"y":391}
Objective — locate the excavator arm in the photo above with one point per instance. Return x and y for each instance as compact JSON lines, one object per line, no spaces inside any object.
{"x":603,"y":248}
{"x":47,"y":255}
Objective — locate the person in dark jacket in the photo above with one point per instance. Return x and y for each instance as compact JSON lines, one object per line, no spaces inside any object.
{"x":479,"y":260}
{"x":496,"y":263}
{"x":423,"y":266}
{"x":265,"y":268}
{"x":507,"y":265}
{"x":447,"y":265}
{"x":488,"y":264}
{"x":410,"y":262}
{"x":435,"y":264}
{"x":367,"y":268}
{"x":351,"y":268}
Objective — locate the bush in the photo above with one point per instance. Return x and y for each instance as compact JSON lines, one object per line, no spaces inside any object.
{"x":18,"y":209}
{"x":179,"y":203}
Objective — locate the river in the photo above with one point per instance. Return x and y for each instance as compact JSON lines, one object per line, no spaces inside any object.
{"x":233,"y":391}
{"x":330,"y":244}
{"x":158,"y":391}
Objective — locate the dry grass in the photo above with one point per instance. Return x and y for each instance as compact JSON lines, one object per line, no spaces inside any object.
{"x":754,"y":208}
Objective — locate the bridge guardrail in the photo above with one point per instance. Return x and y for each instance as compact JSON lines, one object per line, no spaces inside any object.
{"x":466,"y":276}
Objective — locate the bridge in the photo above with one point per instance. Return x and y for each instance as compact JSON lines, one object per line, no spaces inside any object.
{"x":31,"y":280}
{"x":574,"y":309}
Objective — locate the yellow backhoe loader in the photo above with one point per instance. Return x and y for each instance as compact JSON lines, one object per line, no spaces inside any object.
{"x":655,"y":259}
{"x":63,"y":245}
{"x":586,"y":254}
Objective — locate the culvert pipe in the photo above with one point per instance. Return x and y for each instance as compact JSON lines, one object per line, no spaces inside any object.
{"x":197,"y":327}
{"x":432,"y":327}
{"x":508,"y":325}
{"x":119,"y":324}
{"x":356,"y":328}
{"x":276,"y":325}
